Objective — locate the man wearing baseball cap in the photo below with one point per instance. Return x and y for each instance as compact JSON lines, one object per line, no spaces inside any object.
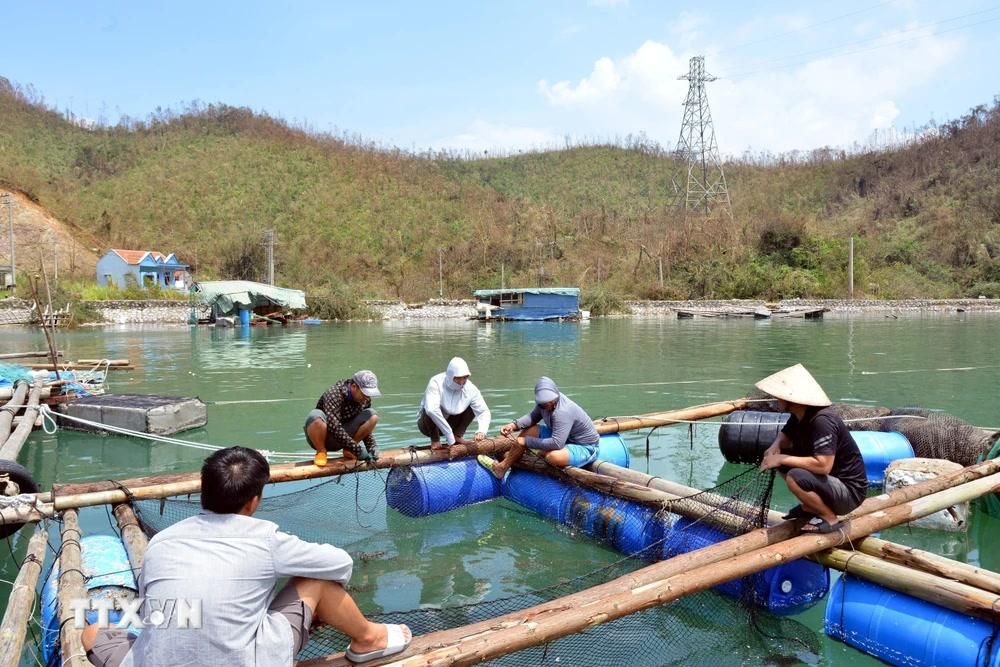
{"x":814,"y":452}
{"x":343,"y":418}
{"x":556,"y":426}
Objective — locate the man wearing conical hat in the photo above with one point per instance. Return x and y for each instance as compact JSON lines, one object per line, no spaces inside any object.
{"x":814,"y":452}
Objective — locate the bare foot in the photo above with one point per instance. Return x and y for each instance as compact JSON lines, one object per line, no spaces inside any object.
{"x":438,"y":447}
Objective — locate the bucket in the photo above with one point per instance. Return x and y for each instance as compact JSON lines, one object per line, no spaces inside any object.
{"x":244,"y":317}
{"x":439,"y":487}
{"x":785,"y":589}
{"x":904,"y":630}
{"x":879,"y":450}
{"x":745,"y":434}
{"x":107,"y":574}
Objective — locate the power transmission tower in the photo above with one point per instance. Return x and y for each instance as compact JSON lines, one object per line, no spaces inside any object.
{"x":699,"y":183}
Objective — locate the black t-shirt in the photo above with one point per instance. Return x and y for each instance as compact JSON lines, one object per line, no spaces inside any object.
{"x":822,"y":432}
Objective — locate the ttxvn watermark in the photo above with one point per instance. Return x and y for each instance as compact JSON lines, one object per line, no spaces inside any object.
{"x":173,"y":613}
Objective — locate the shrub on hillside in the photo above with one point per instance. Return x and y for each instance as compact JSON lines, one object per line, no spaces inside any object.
{"x":339,"y":302}
{"x":601,"y":301}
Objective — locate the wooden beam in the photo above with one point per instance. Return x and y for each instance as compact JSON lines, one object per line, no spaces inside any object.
{"x":12,"y":447}
{"x":12,"y":406}
{"x":21,"y":602}
{"x":71,"y":587}
{"x":160,"y":486}
{"x":132,"y":536}
{"x":491,"y":639}
{"x":27,"y":355}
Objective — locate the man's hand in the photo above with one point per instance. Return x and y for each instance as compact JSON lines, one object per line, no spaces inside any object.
{"x":507,"y":429}
{"x":772,"y":459}
{"x":479,"y":436}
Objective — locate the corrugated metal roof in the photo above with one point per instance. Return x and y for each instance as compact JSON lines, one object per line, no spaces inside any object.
{"x":563,"y":291}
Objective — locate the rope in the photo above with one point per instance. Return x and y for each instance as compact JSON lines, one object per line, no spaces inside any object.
{"x":50,"y":427}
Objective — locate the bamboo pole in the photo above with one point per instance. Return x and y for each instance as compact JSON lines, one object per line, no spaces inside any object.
{"x":27,"y":355}
{"x":161,"y":486}
{"x":943,"y":591}
{"x":75,"y":366}
{"x":931,"y":563}
{"x":132,"y":536}
{"x":109,"y":362}
{"x":12,"y":447}
{"x":46,"y":391}
{"x":491,"y":639}
{"x":12,"y":406}
{"x":959,"y":597}
{"x":888,"y":551}
{"x":71,"y":587}
{"x":21,"y":602}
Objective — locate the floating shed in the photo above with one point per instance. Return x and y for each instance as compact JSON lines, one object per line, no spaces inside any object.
{"x":238,"y":298}
{"x":534,"y":304}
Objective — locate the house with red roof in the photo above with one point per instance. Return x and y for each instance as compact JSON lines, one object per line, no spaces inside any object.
{"x":147,"y":267}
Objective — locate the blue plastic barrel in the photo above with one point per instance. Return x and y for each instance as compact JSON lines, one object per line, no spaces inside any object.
{"x":611,"y":448}
{"x":439,"y":487}
{"x":244,"y":317}
{"x":904,"y":630}
{"x":106,"y":571}
{"x":628,"y":527}
{"x":785,"y":589}
{"x":879,"y":450}
{"x":545,"y":495}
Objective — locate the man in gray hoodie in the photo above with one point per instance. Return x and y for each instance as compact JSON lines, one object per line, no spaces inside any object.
{"x":566,"y":433}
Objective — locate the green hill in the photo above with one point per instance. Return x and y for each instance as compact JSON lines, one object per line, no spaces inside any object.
{"x":205,"y":183}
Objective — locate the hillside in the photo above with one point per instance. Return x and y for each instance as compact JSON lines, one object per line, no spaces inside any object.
{"x":205,"y":183}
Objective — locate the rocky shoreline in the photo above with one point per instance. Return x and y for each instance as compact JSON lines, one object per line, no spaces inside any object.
{"x":173,"y":312}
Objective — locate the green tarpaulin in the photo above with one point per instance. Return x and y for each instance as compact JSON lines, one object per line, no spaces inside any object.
{"x":225,"y":296}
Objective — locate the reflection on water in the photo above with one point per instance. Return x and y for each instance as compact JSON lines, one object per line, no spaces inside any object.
{"x":260,"y":383}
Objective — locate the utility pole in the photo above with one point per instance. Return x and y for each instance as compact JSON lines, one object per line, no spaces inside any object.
{"x":850,"y":270}
{"x":269,"y":245}
{"x":55,"y":257}
{"x":8,"y":199}
{"x":699,"y":183}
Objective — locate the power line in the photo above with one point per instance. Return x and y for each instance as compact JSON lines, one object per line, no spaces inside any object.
{"x":833,"y":50}
{"x":790,"y":31}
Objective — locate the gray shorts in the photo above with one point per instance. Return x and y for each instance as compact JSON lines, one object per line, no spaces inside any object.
{"x":831,"y":490}
{"x":113,"y":644}
{"x":351,"y":425}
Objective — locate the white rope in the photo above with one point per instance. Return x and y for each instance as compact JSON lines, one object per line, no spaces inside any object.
{"x":50,"y":427}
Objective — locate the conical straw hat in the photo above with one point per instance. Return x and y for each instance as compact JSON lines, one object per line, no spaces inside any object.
{"x":795,"y":385}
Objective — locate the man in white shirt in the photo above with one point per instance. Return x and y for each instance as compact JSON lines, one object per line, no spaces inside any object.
{"x":449,"y":405}
{"x":229,"y":563}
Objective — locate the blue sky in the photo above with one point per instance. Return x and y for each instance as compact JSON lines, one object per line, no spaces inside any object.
{"x":516,"y":75}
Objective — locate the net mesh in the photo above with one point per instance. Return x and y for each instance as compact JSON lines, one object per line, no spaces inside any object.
{"x":477,"y":562}
{"x":933,"y":435}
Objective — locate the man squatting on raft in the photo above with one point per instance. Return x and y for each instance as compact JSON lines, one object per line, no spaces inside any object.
{"x":567,"y":437}
{"x":449,"y":405}
{"x":823,"y":467}
{"x":343,"y":418}
{"x":231,"y":563}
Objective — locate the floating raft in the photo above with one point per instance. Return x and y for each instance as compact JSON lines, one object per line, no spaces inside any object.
{"x":761,"y":313}
{"x":162,"y":415}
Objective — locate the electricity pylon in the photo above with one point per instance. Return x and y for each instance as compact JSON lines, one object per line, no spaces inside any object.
{"x":699,"y":183}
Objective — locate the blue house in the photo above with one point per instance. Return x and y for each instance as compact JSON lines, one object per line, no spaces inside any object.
{"x":538,"y":303}
{"x":147,"y":267}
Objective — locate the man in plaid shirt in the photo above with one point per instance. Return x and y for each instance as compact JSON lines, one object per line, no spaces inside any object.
{"x":343,"y":418}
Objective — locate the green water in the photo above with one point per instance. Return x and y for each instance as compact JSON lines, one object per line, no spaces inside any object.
{"x":259,"y":385}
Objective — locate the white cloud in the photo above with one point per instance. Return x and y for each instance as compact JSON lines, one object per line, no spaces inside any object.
{"x":482,"y":135}
{"x":828,"y":101}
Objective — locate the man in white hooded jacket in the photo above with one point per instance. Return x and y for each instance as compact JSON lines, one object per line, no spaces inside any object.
{"x":449,"y":405}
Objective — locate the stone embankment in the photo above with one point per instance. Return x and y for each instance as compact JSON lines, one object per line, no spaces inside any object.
{"x":16,"y":311}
